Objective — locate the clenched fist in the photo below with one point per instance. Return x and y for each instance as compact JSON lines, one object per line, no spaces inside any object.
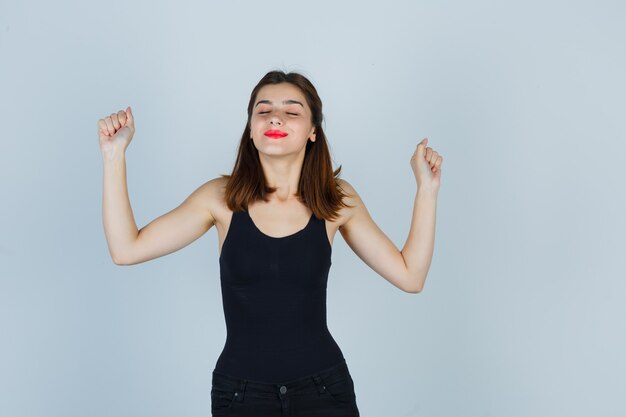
{"x":115,"y":132}
{"x":426,"y":165}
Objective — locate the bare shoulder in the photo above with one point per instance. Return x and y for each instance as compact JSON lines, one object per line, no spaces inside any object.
{"x":346,"y":186}
{"x":215,"y":199}
{"x":352,"y":199}
{"x":209,"y":196}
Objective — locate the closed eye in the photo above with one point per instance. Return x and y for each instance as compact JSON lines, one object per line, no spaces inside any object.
{"x":263,"y":112}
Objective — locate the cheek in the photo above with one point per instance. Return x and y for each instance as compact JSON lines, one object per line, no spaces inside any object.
{"x":255,"y":123}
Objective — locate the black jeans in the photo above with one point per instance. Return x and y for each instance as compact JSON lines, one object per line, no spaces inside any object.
{"x":327,"y":393}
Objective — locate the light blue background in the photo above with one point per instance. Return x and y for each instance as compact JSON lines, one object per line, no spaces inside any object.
{"x":523,"y":310}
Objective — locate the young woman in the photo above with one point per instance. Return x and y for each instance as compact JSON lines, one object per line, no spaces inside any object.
{"x":276,"y":216}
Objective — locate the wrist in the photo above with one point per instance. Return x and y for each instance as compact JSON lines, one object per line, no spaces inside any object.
{"x":427,"y":190}
{"x":113,"y":157}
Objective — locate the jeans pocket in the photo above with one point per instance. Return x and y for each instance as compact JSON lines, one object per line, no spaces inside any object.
{"x":340,"y":388}
{"x":222,"y":400}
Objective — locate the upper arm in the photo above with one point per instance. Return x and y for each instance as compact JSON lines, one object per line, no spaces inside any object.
{"x":371,"y":244}
{"x":174,"y":229}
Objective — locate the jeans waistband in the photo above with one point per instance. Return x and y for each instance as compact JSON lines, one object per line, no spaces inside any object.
{"x":294,"y":386}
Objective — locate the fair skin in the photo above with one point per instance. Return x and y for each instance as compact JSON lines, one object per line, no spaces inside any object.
{"x":283,"y":214}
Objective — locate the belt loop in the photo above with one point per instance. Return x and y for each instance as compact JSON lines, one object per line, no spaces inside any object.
{"x":319,"y":383}
{"x":242,"y":389}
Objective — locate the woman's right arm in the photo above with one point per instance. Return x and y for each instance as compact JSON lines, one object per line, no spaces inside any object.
{"x":167,"y":233}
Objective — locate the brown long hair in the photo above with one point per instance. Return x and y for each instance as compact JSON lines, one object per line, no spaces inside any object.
{"x":318,"y":187}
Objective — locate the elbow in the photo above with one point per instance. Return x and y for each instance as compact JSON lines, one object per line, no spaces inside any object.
{"x":414,"y":290}
{"x":120,"y":261}
{"x":123,"y":256}
{"x":414,"y":285}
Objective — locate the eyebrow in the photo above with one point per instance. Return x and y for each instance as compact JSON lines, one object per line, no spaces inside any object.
{"x":284,"y":102}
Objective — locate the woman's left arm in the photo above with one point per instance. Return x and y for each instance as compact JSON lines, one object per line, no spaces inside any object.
{"x":407,"y":268}
{"x":418,"y":249}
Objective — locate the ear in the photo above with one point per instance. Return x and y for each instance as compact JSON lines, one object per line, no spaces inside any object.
{"x":313,"y":136}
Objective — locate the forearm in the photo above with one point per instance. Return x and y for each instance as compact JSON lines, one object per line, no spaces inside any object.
{"x":418,"y":249}
{"x":117,"y":216}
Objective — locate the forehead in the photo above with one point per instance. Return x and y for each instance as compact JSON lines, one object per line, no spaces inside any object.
{"x":277,"y":93}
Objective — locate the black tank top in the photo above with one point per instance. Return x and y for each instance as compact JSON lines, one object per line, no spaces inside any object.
{"x":274,"y":300}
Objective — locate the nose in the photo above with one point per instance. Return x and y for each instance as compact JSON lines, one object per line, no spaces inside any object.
{"x":276,"y":120}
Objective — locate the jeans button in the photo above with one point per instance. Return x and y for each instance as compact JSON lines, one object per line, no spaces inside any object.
{"x":283,"y":389}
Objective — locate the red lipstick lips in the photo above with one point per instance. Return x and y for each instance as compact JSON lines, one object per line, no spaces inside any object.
{"x":275,"y":133}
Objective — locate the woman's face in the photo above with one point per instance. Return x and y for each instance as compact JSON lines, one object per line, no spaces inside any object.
{"x":281,"y":108}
